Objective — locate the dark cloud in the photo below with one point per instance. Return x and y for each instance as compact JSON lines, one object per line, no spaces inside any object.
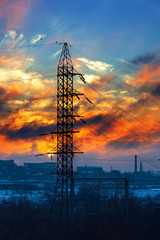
{"x":156,"y":91}
{"x":125,"y":143}
{"x":130,"y":66}
{"x":96,"y":119}
{"x":51,"y":107}
{"x":106,"y":125}
{"x":150,"y":89}
{"x":100,"y":123}
{"x":26,"y":131}
{"x":145,"y":59}
{"x":91,"y":121}
{"x":8,"y":94}
{"x":141,"y":103}
{"x":104,"y":82}
{"x":30,"y":130}
{"x":2,"y":91}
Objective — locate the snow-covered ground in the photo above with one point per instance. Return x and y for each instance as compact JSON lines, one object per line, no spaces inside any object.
{"x":144,"y":193}
{"x":40,"y":196}
{"x":35,"y":196}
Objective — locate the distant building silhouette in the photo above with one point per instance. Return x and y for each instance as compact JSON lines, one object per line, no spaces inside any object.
{"x":36,"y":169}
{"x":7,"y":163}
{"x":90,"y":170}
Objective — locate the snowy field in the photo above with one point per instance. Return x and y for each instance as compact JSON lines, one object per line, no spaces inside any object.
{"x":38,"y":197}
{"x":145,"y":193}
{"x":41,"y":196}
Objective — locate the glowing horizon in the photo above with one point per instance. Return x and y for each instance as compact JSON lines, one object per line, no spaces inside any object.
{"x":121,"y":116}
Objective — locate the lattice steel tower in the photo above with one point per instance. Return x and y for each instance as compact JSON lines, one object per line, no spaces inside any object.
{"x":64,"y":192}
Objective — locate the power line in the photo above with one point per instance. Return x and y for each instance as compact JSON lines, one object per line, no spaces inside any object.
{"x":110,"y":160}
{"x":122,"y":110}
{"x":121,"y":141}
{"x":119,"y":108}
{"x":28,"y":46}
{"x":80,"y":52}
{"x":30,"y":78}
{"x":29,"y":99}
{"x":114,"y":73}
{"x":82,"y":138}
{"x":84,"y":122}
{"x":115,"y":106}
{"x":130,"y":86}
{"x":145,"y":158}
{"x":108,"y":116}
{"x":113,"y":160}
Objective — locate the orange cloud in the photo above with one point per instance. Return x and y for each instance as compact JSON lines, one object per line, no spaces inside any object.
{"x":103,"y":82}
{"x":101,"y":131}
{"x":147,"y":74}
{"x":4,"y":61}
{"x":9,"y":93}
{"x":44,"y":93}
{"x":24,"y":146}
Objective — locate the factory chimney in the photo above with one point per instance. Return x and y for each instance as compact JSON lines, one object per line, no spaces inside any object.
{"x":135,"y":164}
{"x":141,"y":167}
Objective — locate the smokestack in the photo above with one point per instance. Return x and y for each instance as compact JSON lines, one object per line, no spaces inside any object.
{"x":135,"y":164}
{"x":141,"y":167}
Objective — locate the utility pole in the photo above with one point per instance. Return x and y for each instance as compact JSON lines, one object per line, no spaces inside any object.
{"x":64,"y":192}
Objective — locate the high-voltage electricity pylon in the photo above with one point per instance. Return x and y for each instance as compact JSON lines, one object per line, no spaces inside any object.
{"x":64,"y":193}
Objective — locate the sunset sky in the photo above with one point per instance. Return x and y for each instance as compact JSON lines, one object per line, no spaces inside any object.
{"x":116,"y":45}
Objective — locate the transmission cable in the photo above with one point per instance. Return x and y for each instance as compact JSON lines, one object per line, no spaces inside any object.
{"x":29,"y":99}
{"x":30,"y":78}
{"x":122,"y":147}
{"x":122,"y":110}
{"x":28,"y":46}
{"x":108,"y":116}
{"x":130,"y":144}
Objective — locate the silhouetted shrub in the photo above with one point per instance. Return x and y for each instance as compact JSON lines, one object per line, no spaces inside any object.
{"x":96,"y":219}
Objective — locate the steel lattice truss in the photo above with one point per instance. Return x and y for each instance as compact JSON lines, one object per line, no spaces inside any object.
{"x":65,"y":131}
{"x":64,"y":191}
